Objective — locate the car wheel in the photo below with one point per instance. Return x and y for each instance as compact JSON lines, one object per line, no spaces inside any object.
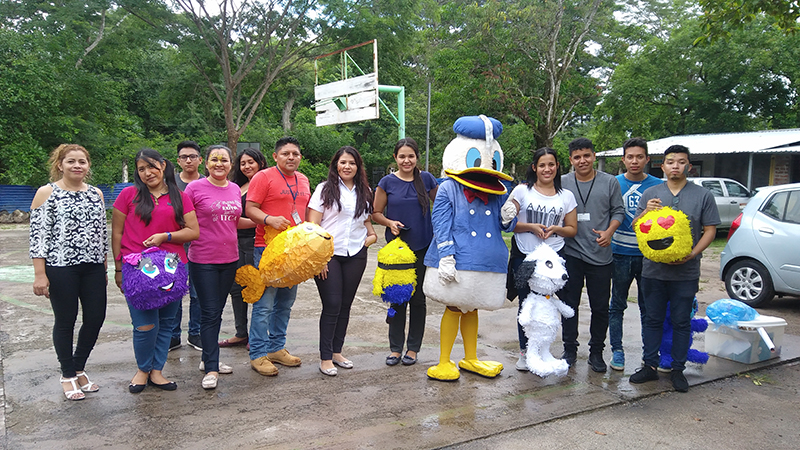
{"x":748,"y":281}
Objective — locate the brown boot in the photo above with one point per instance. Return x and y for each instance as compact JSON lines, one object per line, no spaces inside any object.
{"x":283,"y":358}
{"x":263,"y":366}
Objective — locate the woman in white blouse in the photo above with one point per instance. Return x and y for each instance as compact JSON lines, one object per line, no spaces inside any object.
{"x":341,"y":205}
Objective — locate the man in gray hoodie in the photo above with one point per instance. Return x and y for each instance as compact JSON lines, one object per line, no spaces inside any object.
{"x":588,"y":254}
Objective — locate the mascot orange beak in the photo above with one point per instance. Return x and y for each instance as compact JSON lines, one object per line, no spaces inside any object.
{"x":480,"y":179}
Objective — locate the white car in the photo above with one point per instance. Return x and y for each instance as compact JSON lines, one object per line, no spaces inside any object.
{"x":730,"y":195}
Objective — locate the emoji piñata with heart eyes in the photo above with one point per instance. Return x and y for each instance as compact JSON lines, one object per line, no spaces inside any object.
{"x":664,"y":235}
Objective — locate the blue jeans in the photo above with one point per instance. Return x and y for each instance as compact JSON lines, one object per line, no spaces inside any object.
{"x":680,"y":295}
{"x":626,"y":269}
{"x":270,"y":317}
{"x":151,"y":346}
{"x":213,"y":282}
{"x":194,"y":310}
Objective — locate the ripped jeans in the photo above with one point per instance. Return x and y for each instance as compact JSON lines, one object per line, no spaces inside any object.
{"x":152,"y":331}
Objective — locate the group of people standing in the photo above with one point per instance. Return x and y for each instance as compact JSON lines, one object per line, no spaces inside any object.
{"x":229,"y":216}
{"x":587,"y":216}
{"x":214,"y":224}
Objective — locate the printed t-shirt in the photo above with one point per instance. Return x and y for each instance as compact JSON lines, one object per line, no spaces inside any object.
{"x":623,"y":242}
{"x":162,"y":221}
{"x":278,"y":195}
{"x":218,"y":210}
{"x":535,"y":207}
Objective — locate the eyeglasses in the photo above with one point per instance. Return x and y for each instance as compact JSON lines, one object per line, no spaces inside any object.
{"x":188,"y":157}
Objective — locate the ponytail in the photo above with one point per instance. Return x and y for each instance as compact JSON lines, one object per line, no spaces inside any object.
{"x":422,"y":194}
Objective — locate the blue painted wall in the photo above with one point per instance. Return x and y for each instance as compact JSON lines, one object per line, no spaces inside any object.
{"x":20,"y":197}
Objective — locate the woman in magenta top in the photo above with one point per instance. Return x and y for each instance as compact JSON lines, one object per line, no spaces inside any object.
{"x":152,"y":213}
{"x":215,"y":254}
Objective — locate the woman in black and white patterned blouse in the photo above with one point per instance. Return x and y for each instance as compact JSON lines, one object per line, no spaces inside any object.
{"x":68,"y":247}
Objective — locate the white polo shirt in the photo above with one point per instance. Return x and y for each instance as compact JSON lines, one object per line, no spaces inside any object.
{"x":349,"y":233}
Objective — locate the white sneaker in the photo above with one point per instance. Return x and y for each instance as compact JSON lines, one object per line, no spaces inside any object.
{"x":521,"y":364}
{"x":223,"y":368}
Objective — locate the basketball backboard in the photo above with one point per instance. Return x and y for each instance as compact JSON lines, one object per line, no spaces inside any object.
{"x":350,"y":98}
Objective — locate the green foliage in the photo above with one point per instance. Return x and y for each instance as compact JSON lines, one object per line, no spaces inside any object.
{"x":26,"y":161}
{"x":722,"y":17}
{"x":316,"y":173}
{"x":151,"y":81}
{"x":669,"y":87}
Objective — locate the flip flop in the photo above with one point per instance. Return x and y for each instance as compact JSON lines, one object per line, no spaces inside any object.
{"x":228,"y":343}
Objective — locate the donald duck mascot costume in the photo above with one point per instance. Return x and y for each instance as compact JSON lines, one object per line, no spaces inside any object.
{"x":467,"y":261}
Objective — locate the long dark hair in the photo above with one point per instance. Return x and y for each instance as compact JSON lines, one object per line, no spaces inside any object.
{"x":531,"y":175}
{"x":144,"y":201}
{"x":236,"y":174}
{"x":330,"y":192}
{"x":419,"y":185}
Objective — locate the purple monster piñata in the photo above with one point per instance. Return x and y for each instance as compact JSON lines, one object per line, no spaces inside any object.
{"x":153,"y":278}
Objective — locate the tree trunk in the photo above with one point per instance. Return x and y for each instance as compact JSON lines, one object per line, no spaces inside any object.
{"x":287,"y":114}
{"x":233,"y":139}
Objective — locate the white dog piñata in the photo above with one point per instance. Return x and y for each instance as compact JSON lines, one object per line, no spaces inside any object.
{"x":545,"y":273}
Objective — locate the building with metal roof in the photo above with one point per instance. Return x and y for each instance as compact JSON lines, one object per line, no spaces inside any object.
{"x":755,"y":159}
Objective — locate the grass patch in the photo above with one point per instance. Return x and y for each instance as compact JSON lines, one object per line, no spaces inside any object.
{"x":719,"y":242}
{"x":507,"y":238}
{"x":758,"y":379}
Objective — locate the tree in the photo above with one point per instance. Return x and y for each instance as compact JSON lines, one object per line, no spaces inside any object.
{"x":250,"y":43}
{"x":527,"y":60}
{"x":670,"y":87}
{"x":720,"y":17}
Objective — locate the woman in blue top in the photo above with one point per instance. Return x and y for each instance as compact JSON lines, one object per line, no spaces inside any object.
{"x":402,"y":205}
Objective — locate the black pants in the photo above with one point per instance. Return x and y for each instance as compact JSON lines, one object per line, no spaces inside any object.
{"x":238,"y":304}
{"x":337,"y":292}
{"x":68,"y":285}
{"x":598,"y":287}
{"x":416,"y":315}
{"x":213,"y":283}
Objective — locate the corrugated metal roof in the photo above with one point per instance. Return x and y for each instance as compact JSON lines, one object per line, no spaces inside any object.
{"x":768,"y":141}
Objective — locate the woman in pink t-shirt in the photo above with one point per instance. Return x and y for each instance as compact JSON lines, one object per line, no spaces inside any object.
{"x":152,"y":213}
{"x":215,"y":254}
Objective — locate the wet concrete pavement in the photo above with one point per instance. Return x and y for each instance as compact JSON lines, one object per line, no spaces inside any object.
{"x":370,"y":406}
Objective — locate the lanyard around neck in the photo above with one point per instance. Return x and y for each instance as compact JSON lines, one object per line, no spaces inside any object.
{"x":578,"y":188}
{"x":293,"y":193}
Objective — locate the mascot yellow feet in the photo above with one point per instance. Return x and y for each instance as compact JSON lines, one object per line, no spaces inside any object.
{"x":445,"y":371}
{"x":488,"y":369}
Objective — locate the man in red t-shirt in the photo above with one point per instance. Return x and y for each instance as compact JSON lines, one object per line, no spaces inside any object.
{"x":276,"y":200}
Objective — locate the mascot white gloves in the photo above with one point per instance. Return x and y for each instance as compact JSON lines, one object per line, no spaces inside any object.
{"x":447,"y":270}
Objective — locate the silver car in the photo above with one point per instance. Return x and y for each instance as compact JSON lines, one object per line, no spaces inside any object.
{"x":761,"y":258}
{"x":730,"y":195}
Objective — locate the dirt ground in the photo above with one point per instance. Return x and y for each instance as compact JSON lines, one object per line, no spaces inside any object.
{"x":370,"y":406}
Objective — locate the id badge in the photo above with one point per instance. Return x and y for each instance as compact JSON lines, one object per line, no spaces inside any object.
{"x":584,"y":217}
{"x":296,"y":217}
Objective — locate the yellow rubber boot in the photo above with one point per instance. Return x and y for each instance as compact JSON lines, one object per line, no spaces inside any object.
{"x":470,"y":363}
{"x":446,"y":370}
